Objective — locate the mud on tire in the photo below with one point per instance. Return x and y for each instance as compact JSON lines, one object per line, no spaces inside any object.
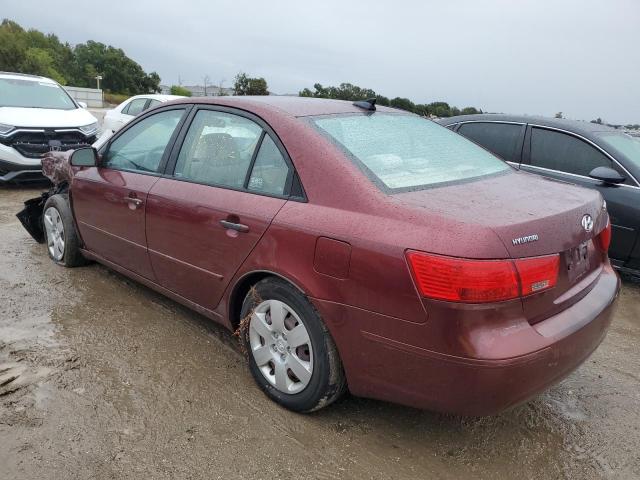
{"x":327,"y":382}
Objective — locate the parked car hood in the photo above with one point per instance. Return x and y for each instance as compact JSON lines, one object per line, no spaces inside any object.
{"x":45,"y":117}
{"x":515,"y":205}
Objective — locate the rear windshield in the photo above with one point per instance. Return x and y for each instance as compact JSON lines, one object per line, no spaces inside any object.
{"x":33,"y":94}
{"x":406,"y":152}
{"x":626,"y":144}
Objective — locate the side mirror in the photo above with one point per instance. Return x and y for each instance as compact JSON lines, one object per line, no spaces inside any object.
{"x":82,"y":104}
{"x":84,"y":157}
{"x":607,"y":175}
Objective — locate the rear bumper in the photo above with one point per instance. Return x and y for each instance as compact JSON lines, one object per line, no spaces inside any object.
{"x":381,"y":367}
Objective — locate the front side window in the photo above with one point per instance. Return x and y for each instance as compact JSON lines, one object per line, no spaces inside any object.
{"x":565,"y":153}
{"x":502,"y":139}
{"x":406,"y":152}
{"x":218,"y":149}
{"x":141,"y":147}
{"x":33,"y":94}
{"x":135,"y":107}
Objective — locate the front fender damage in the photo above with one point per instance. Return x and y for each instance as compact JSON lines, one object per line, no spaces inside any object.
{"x":56,"y":167}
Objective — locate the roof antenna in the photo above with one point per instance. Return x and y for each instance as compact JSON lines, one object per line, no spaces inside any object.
{"x":368,"y":104}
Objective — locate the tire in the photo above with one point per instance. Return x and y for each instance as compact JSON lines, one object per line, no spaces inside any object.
{"x":61,"y":237}
{"x":319,"y":355}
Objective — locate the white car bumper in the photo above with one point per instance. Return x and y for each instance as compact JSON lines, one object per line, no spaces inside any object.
{"x":16,"y":167}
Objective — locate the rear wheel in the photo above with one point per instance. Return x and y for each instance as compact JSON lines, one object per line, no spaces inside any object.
{"x":63,"y":244}
{"x":292,"y":356}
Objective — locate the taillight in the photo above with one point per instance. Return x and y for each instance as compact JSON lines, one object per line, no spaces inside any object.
{"x":603,"y":240}
{"x":481,"y":281}
{"x":538,"y":273}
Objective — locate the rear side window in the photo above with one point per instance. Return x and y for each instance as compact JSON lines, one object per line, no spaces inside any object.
{"x":565,"y":153}
{"x":405,"y":152}
{"x":135,"y":107}
{"x":218,"y":149}
{"x":270,"y":172}
{"x":502,"y":139}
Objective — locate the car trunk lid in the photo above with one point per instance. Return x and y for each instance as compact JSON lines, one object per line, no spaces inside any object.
{"x":532,"y":216}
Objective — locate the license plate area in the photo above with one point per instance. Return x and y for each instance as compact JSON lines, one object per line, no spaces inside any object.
{"x":577,"y":261}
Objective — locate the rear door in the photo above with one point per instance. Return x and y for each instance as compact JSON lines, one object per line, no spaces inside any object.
{"x":562,"y":155}
{"x":505,"y":139}
{"x":109,"y":200}
{"x":224,"y":185}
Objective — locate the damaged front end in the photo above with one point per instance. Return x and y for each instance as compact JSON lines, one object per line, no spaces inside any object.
{"x":56,"y":167}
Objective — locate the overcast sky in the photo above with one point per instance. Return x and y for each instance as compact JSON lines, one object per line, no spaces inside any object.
{"x":581,"y":57}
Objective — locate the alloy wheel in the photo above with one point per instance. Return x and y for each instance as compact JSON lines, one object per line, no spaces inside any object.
{"x":55,"y":233}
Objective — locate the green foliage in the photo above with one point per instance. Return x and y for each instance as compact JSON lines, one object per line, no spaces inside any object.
{"x":348,"y":91}
{"x":114,"y":98}
{"x":250,"y":86}
{"x":178,"y":90}
{"x":39,"y":54}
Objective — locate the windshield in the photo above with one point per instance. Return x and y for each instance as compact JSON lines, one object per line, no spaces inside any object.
{"x":625,"y":144}
{"x":33,"y":94}
{"x":406,"y":152}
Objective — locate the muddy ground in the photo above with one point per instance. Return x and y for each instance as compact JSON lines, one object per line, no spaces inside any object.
{"x":102,"y":378}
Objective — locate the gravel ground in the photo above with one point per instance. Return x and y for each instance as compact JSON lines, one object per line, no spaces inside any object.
{"x":102,"y":378}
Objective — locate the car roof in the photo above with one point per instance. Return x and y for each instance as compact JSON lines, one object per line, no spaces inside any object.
{"x":586,"y":129}
{"x":292,"y":105}
{"x":158,"y":96}
{"x":27,"y":77}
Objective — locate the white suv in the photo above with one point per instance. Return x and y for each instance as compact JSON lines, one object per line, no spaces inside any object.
{"x":37,"y":115}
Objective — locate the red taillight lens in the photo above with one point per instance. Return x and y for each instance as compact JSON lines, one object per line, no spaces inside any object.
{"x":603,"y":240}
{"x":537,"y":274}
{"x":481,"y":281}
{"x":458,"y":280}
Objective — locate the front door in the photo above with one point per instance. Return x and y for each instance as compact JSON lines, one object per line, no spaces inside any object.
{"x":229,"y":182}
{"x":110,"y":200}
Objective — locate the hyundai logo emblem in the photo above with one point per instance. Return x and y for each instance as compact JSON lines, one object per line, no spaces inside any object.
{"x":587,"y":223}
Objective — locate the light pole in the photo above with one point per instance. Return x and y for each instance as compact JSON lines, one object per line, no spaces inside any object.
{"x":98,"y":78}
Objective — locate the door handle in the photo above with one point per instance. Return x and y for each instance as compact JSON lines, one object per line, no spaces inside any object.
{"x":134,"y":201}
{"x":238,"y":227}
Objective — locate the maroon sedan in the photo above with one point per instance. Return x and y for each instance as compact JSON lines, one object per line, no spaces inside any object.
{"x":353,"y":247}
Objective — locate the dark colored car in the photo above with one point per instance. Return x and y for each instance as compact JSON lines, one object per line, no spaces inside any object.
{"x":582,"y":153}
{"x":349,"y":246}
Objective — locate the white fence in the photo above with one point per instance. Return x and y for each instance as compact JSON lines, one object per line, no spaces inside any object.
{"x":91,"y":96}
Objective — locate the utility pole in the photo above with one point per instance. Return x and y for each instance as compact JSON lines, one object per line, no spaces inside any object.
{"x":98,"y":78}
{"x":205,"y":80}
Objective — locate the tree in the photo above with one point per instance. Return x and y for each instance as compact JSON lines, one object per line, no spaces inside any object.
{"x":597,"y":120}
{"x":179,"y":90}
{"x":402,"y":103}
{"x":44,"y":54}
{"x":348,"y":91}
{"x":121,"y":74}
{"x":559,"y":115}
{"x":245,"y":85}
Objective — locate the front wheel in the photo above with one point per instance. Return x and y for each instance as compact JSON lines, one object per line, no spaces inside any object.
{"x":63,"y":244}
{"x":292,"y":356}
